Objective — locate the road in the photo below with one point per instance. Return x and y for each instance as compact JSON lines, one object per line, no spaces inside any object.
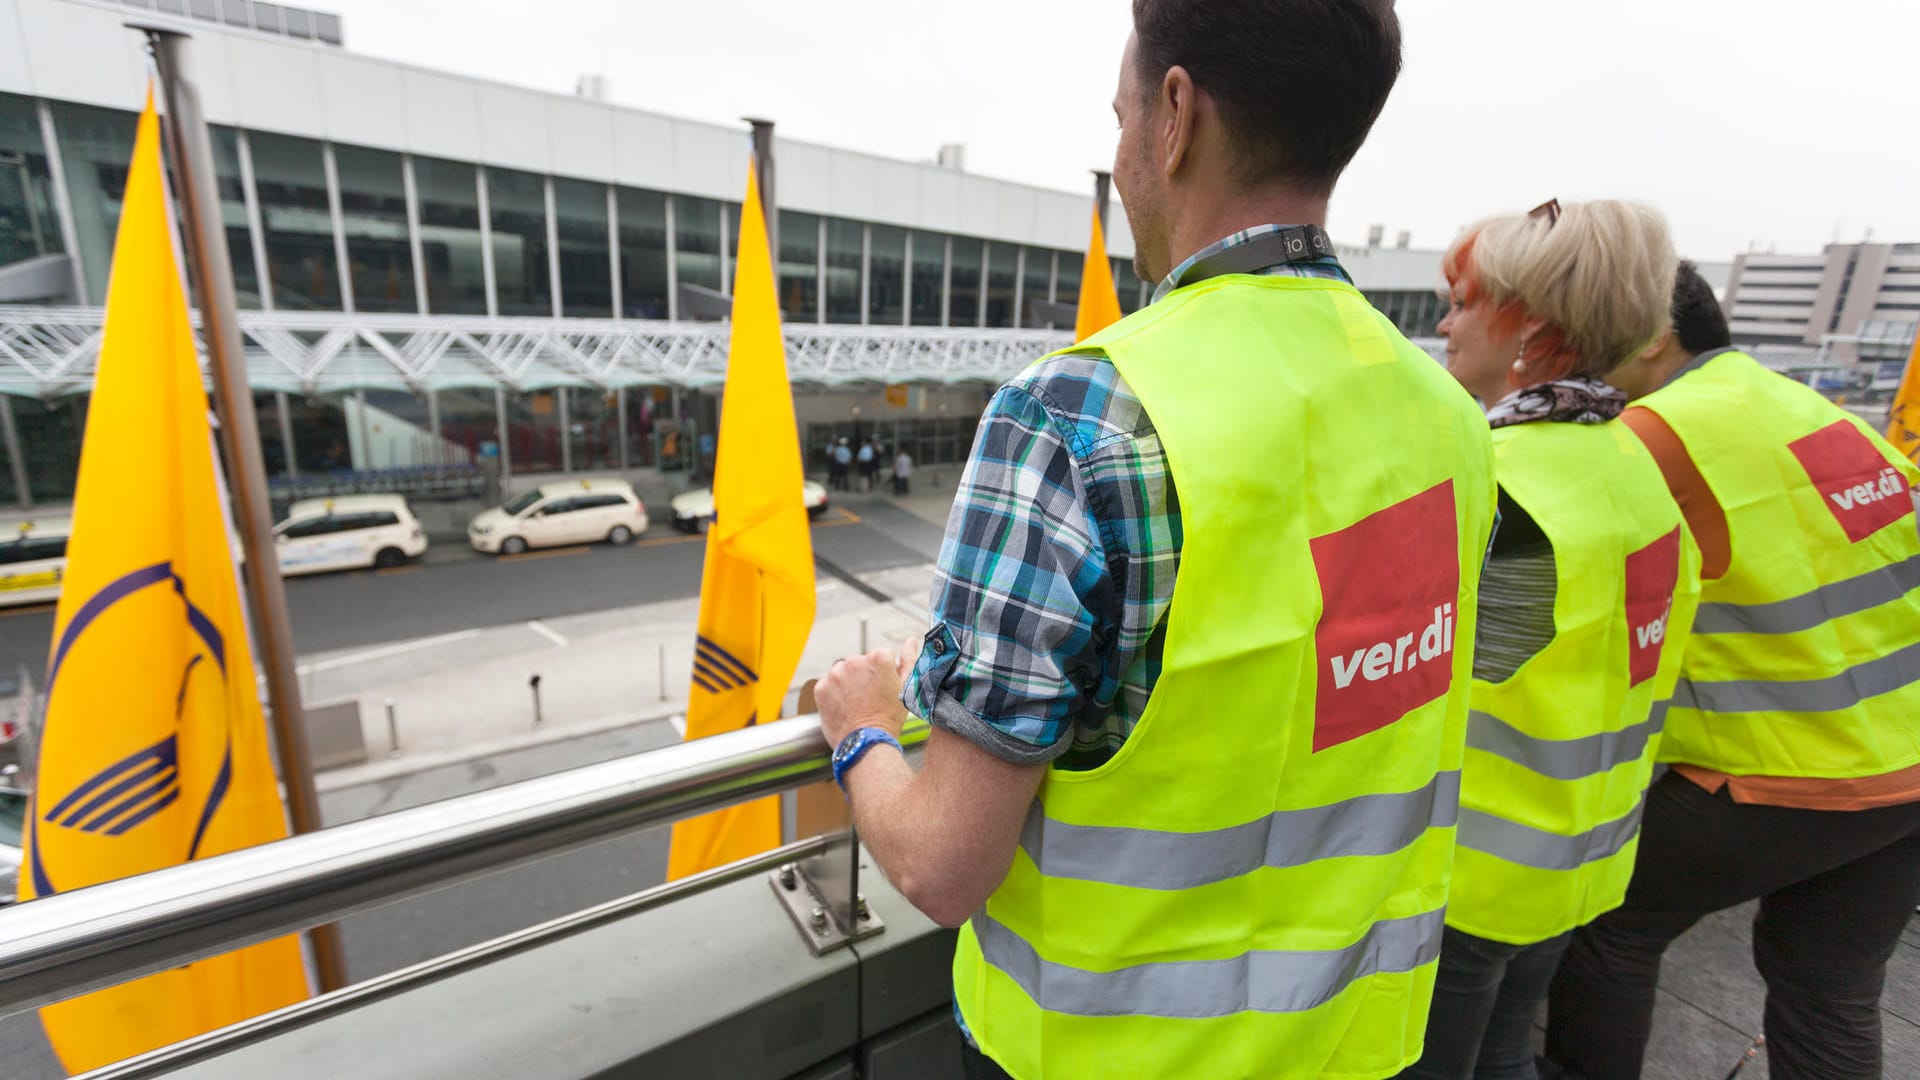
{"x":455,"y":588}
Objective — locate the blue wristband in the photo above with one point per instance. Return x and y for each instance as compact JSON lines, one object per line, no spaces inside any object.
{"x":854,"y":746}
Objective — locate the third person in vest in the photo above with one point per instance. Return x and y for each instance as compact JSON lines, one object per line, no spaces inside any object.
{"x":1194,"y":770}
{"x":1589,"y":590}
{"x":1795,"y":729}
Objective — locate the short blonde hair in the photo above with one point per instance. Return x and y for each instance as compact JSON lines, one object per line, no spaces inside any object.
{"x":1601,"y":277}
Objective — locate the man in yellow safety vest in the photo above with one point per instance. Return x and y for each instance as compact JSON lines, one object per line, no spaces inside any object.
{"x":1194,"y":775}
{"x":1794,"y":732}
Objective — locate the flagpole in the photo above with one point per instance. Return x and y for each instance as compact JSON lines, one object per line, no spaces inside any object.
{"x":1102,"y":184}
{"x":239,"y":431}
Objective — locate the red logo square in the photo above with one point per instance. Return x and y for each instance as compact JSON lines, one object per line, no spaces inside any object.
{"x":1653,"y":573}
{"x":1862,"y":489}
{"x":1384,"y":644}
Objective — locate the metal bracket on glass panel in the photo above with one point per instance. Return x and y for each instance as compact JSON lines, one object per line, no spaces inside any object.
{"x":823,"y":896}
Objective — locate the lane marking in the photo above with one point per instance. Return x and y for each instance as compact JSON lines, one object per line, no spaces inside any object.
{"x":550,"y":553}
{"x":679,"y":723}
{"x":547,"y":632}
{"x":663,"y":541}
{"x":331,"y":663}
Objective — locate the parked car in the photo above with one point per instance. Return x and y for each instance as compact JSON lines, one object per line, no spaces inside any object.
{"x":563,"y":512}
{"x":346,"y":533}
{"x":693,"y":510}
{"x":33,"y":560}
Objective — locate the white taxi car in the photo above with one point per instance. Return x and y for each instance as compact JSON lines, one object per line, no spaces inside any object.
{"x":33,"y":560}
{"x":347,"y":532}
{"x":693,"y":510}
{"x":563,"y":512}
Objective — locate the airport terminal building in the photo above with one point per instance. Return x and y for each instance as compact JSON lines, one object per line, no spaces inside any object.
{"x":434,"y":268}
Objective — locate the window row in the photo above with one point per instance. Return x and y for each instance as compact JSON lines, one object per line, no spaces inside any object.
{"x":324,"y":226}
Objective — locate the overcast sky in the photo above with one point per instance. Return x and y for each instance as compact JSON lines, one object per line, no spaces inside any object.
{"x":1751,"y":123}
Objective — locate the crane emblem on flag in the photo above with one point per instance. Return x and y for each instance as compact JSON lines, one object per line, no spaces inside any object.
{"x":132,"y":790}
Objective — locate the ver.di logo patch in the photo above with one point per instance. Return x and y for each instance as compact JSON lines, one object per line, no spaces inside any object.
{"x":1384,"y":644}
{"x":1653,"y":573}
{"x":1861,"y":489}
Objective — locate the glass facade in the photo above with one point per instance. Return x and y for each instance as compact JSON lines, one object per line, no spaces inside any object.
{"x":886,"y":275}
{"x":845,"y":240}
{"x":963,"y":287}
{"x":799,"y":266}
{"x":290,"y":182}
{"x":373,"y":214}
{"x":50,"y":434}
{"x":233,"y":214}
{"x":95,"y":146}
{"x":450,"y":237}
{"x":1003,"y":261}
{"x":1066,"y":277}
{"x":643,"y":254}
{"x":586,"y":276}
{"x":326,"y":227}
{"x":929,"y":277}
{"x":696,"y":237}
{"x":1132,"y":294}
{"x":517,"y":212}
{"x":1034,"y":284}
{"x":29,"y":225}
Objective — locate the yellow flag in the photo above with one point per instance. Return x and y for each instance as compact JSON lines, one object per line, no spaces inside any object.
{"x":155,"y":747}
{"x":756,"y":592}
{"x":1099,"y":303}
{"x":1903,"y":420}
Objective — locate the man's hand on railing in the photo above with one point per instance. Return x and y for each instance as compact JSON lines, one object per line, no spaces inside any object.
{"x":862,"y":691}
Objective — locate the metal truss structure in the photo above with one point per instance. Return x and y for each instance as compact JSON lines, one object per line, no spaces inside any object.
{"x":49,"y":351}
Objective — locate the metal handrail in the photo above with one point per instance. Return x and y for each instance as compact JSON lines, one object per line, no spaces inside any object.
{"x":71,"y":943}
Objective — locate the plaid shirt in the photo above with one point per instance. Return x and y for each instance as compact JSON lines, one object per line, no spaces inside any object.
{"x":1051,"y":595}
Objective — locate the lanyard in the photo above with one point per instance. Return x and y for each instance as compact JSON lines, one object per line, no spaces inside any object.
{"x":1292,"y":244}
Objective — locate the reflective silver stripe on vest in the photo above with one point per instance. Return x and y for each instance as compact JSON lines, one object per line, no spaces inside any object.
{"x":1155,"y":859}
{"x":1564,"y":759}
{"x":1808,"y":610}
{"x":1528,"y":846}
{"x":1843,"y":691}
{"x":1274,"y":982}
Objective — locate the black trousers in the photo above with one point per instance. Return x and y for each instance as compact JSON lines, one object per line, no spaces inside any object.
{"x":1835,"y":889}
{"x":1484,"y":998}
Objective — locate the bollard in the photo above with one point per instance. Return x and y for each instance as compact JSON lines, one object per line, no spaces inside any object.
{"x":863,"y":637}
{"x":535,"y":684}
{"x":393,"y":731}
{"x":663,"y":671}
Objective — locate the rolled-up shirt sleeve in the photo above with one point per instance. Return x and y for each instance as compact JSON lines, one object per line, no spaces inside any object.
{"x":1014,"y":645}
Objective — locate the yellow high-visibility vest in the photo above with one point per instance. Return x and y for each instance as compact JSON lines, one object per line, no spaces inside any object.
{"x":1805,"y":655}
{"x":1560,"y":753}
{"x":1255,"y":885}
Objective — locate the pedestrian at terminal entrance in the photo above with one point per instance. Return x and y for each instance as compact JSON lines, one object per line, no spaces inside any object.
{"x":840,"y":460}
{"x":869,"y":459}
{"x":1585,"y":603}
{"x":1130,"y":792}
{"x":902,"y":472}
{"x":1794,"y":733}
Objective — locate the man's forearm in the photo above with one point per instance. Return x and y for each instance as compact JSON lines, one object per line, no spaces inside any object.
{"x":945,"y":834}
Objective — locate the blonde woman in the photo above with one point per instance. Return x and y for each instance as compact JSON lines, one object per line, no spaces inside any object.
{"x":1591,"y":581}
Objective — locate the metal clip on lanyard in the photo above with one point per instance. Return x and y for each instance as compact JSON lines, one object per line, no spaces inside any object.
{"x":1293,"y":244}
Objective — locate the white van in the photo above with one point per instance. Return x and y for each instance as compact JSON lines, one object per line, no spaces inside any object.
{"x":563,"y":512}
{"x":33,"y":560}
{"x":347,"y":532}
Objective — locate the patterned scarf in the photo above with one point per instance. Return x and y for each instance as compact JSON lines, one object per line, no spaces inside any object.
{"x":1576,"y":400}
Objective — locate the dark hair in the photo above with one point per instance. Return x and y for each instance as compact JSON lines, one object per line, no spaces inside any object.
{"x":1299,"y":82}
{"x":1698,"y":323}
